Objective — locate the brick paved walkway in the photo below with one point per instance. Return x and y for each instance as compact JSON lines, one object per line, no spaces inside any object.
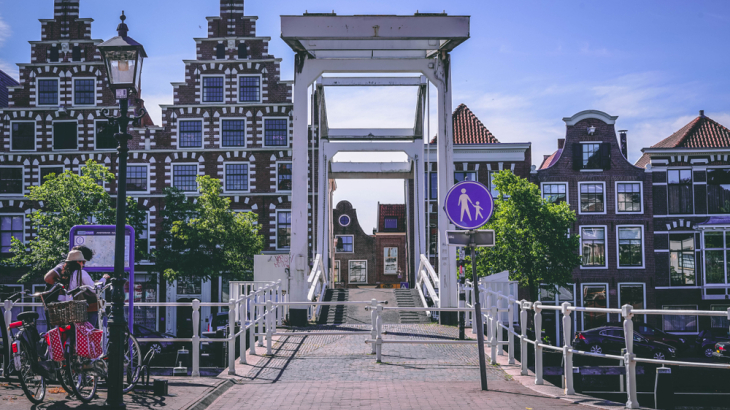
{"x":330,"y":372}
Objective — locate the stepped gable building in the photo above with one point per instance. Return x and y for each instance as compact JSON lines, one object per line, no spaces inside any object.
{"x":390,"y":245}
{"x":612,"y":201}
{"x":690,"y":175}
{"x":5,"y":82}
{"x":355,"y":262}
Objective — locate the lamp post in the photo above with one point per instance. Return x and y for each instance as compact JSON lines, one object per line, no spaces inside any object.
{"x":122,"y":57}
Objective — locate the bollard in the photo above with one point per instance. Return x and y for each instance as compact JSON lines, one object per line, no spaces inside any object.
{"x":374,"y":320}
{"x":269,"y":326}
{"x":524,"y":355}
{"x":538,"y":340}
{"x":577,"y":380}
{"x":510,"y":335}
{"x":567,"y":353}
{"x":379,"y":340}
{"x":632,"y":401}
{"x":664,"y":389}
{"x":196,"y":338}
{"x":252,"y":325}
{"x":243,"y":315}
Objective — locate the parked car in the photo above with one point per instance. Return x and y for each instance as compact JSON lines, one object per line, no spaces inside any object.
{"x":220,"y":323}
{"x":722,"y":351}
{"x":610,"y":340}
{"x":656,"y":335}
{"x":165,"y":352}
{"x":707,"y":339}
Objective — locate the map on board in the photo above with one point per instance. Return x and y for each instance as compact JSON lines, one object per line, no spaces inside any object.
{"x":101,"y":241}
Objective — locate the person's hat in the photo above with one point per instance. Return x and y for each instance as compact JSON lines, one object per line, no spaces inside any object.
{"x":75,"y":256}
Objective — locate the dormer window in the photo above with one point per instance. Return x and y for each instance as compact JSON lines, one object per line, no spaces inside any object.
{"x":592,"y":156}
{"x":391,"y":223}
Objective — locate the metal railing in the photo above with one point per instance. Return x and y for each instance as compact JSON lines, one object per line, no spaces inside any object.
{"x":427,"y":281}
{"x":317,"y":287}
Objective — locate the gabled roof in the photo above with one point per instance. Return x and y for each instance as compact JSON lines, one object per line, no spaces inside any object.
{"x":551,"y":159}
{"x":702,"y":132}
{"x":5,"y":82}
{"x":468,"y":129}
{"x":391,"y":211}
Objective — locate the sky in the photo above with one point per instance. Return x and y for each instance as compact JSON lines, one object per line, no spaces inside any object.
{"x":527,"y":65}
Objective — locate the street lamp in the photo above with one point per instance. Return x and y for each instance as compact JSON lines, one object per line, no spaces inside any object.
{"x":122,"y":57}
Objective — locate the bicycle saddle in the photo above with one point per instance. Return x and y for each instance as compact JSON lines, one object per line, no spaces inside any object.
{"x":27,"y":316}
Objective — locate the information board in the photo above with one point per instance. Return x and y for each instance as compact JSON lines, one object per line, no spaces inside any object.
{"x":100,"y":239}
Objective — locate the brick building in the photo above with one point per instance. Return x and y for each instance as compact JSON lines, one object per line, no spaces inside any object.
{"x":690,"y":177}
{"x":390,"y":245}
{"x":612,"y":201}
{"x":354,"y":257}
{"x":5,"y":82}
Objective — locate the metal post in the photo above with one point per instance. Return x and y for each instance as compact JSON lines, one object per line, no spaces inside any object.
{"x":262,"y":312}
{"x":538,"y":340}
{"x":567,"y":353}
{"x":379,"y":339}
{"x":232,"y":337}
{"x":632,"y":400}
{"x":524,"y":355}
{"x":243,"y":314}
{"x":374,"y":320}
{"x":269,"y":326}
{"x":196,"y":338}
{"x":479,"y":320}
{"x":510,"y":329}
{"x":473,"y":322}
{"x":495,"y":328}
{"x":8,"y":315}
{"x":252,"y":325}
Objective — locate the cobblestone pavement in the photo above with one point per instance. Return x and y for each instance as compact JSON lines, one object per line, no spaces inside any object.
{"x":323,"y":372}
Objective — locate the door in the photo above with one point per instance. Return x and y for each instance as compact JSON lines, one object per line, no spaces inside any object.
{"x":184,"y":320}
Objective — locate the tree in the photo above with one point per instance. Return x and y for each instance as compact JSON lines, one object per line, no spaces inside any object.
{"x":64,"y":201}
{"x":204,"y":238}
{"x":532,"y":236}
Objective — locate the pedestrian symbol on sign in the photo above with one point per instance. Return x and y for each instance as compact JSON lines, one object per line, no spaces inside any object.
{"x":469,"y":205}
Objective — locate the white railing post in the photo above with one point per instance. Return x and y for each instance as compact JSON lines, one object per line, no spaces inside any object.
{"x":379,"y":339}
{"x":8,"y":319}
{"x":252,"y":326}
{"x":500,"y":332}
{"x":243,"y":315}
{"x":632,"y":400}
{"x":196,"y":338}
{"x":269,"y":326}
{"x":510,"y":329}
{"x":538,"y":340}
{"x":280,"y":308}
{"x":567,"y":353}
{"x":261,"y":314}
{"x":524,"y":355}
{"x":495,"y":327}
{"x":488,"y":314}
{"x":232,"y":337}
{"x":374,"y":320}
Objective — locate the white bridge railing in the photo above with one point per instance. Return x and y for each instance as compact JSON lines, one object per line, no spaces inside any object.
{"x":317,"y":287}
{"x":427,"y":283}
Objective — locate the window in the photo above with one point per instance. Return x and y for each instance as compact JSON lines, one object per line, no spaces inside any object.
{"x":76,"y":53}
{"x":11,"y":180}
{"x":592,"y":198}
{"x":104,"y":136}
{"x":234,"y":133}
{"x":137,"y":178}
{"x":183,"y":177}
{"x":631,"y":294}
{"x":276,"y":132}
{"x":391,"y":223}
{"x":84,"y":91}
{"x":593,"y":246}
{"x":628,"y":197}
{"x":191,"y":134}
{"x":465,"y":176}
{"x":236,"y":177}
{"x":595,"y":296}
{"x":630,"y":247}
{"x":337,"y":272}
{"x":358,"y":271}
{"x":22,"y":135}
{"x":48,"y":92}
{"x":679,"y":189}
{"x":344,"y":220}
{"x":53,"y":54}
{"x":719,"y":322}
{"x":283,"y":176}
{"x":434,"y":181}
{"x":11,"y":226}
{"x":189,"y":286}
{"x":213,"y":89}
{"x":390,"y":261}
{"x":555,"y":193}
{"x":283,"y":229}
{"x":680,"y":323}
{"x":220,"y":52}
{"x":493,"y":188}
{"x":249,"y":88}
{"x":46,"y":171}
{"x":718,"y":191}
{"x":682,"y":259}
{"x":242,"y":51}
{"x":592,"y":156}
{"x":717,"y":257}
{"x":344,"y":243}
{"x":65,"y":135}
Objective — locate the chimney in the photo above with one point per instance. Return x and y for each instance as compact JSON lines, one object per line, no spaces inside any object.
{"x":624,"y":146}
{"x":561,"y":143}
{"x":702,"y":113}
{"x":545,"y":157}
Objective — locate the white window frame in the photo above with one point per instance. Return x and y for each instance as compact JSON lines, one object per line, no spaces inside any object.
{"x":53,"y":136}
{"x":643,"y":250}
{"x":692,"y":184}
{"x":469,"y":171}
{"x":671,"y":332}
{"x":40,"y":167}
{"x":618,"y":292}
{"x":705,"y":183}
{"x":38,"y":90}
{"x":96,"y":129}
{"x":348,"y":218}
{"x":148,"y":177}
{"x":172,"y":176}
{"x":641,"y":196}
{"x":605,"y":245}
{"x":396,"y":258}
{"x":245,"y":131}
{"x":202,"y":132}
{"x":581,"y":160}
{"x":276,"y":232}
{"x":238,"y":87}
{"x":353,"y":243}
{"x":349,"y":269}
{"x":73,"y":91}
{"x":248,"y":174}
{"x":338,"y":275}
{"x":202,"y":88}
{"x":35,"y":136}
{"x":288,"y":132}
{"x":605,"y":198}
{"x":16,"y":214}
{"x":704,"y":249}
{"x":277,"y":175}
{"x":23,"y":191}
{"x":582,"y":301}
{"x":567,"y":189}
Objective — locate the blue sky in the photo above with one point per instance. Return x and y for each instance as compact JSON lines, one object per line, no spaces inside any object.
{"x":528,"y":64}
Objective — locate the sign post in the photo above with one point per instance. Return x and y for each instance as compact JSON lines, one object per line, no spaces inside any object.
{"x":469,"y":205}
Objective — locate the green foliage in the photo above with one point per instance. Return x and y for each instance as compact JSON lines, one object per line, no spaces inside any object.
{"x":61,"y":202}
{"x":532,"y":240}
{"x":204,"y":239}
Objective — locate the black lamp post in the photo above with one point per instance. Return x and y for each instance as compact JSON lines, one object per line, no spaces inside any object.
{"x":123,"y":59}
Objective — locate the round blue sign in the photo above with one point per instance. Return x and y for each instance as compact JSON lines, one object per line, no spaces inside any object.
{"x":469,"y":205}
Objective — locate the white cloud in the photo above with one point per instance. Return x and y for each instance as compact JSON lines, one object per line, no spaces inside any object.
{"x":5,"y":31}
{"x":6,"y":67}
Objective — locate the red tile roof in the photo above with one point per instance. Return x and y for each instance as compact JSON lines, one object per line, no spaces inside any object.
{"x":551,"y":159}
{"x":702,"y":132}
{"x":392,"y":211}
{"x":468,"y":129}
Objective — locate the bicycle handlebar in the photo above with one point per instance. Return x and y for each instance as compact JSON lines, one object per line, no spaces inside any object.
{"x":48,"y":292}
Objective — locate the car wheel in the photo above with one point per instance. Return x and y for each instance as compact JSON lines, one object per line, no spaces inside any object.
{"x":708,"y":352}
{"x":659,"y":356}
{"x":156,"y":347}
{"x":596,"y":349}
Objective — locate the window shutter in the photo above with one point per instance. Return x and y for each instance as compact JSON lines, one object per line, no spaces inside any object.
{"x":76,"y":53}
{"x":606,"y":155}
{"x":220,"y":52}
{"x":54,"y":54}
{"x":242,"y":51}
{"x":577,"y":157}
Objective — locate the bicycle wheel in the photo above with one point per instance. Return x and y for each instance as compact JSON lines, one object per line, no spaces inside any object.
{"x":132,"y":362}
{"x":82,"y":377}
{"x":34,"y":385}
{"x":64,"y":379}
